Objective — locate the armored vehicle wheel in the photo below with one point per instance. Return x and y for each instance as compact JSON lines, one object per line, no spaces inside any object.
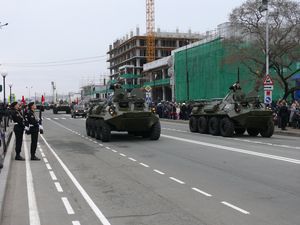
{"x":92,"y":128}
{"x":268,"y":130}
{"x":193,"y":124}
{"x":105,"y":132}
{"x":253,"y":132}
{"x":87,"y":127}
{"x":239,"y":131}
{"x":155,"y":131}
{"x":202,"y":125}
{"x":98,"y":130}
{"x":214,"y":126}
{"x":226,"y":127}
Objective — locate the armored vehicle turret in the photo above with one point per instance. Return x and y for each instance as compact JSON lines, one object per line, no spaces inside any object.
{"x":122,"y":112}
{"x":234,"y":114}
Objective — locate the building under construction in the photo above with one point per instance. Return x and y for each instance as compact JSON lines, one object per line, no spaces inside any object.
{"x":131,"y":49}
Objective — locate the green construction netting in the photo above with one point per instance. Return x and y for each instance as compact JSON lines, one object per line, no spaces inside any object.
{"x":208,"y":75}
{"x":130,"y":76}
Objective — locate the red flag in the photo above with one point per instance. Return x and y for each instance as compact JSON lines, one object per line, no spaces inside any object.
{"x":23,"y":100}
{"x":43,"y":99}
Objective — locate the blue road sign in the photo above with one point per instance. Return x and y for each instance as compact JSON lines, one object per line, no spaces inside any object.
{"x":268,"y":99}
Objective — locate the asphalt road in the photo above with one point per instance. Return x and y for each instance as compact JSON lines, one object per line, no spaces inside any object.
{"x":181,"y":179}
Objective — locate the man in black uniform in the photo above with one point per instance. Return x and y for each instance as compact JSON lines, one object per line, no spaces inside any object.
{"x":17,"y":117}
{"x":34,"y":127}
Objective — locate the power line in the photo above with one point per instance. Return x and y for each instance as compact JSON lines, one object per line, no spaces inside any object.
{"x":59,"y":63}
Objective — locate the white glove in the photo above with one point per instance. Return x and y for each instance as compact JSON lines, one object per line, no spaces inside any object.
{"x":41,"y":127}
{"x":26,"y":128}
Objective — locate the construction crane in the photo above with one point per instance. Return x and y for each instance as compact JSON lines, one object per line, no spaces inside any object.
{"x":150,"y":19}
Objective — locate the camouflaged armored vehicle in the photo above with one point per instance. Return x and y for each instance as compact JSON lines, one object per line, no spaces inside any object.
{"x":122,"y":112}
{"x":61,"y":106}
{"x":234,"y":114}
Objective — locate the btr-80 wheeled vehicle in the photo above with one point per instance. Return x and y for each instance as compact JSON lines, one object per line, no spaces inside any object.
{"x":234,"y":114}
{"x":61,"y":106}
{"x":122,"y":112}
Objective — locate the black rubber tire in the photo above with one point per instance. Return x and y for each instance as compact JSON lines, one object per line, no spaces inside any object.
{"x":193,"y":123}
{"x":214,"y":126}
{"x":155,"y":131}
{"x":105,"y":132}
{"x":93,"y":128}
{"x":239,"y":131}
{"x":226,"y":127}
{"x":98,"y":130}
{"x":202,"y":125}
{"x":253,"y":131}
{"x":269,"y":130}
{"x":87,"y":127}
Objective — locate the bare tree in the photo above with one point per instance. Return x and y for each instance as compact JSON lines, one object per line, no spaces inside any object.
{"x":248,"y":46}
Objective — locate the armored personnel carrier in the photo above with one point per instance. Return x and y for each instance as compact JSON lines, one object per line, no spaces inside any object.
{"x":234,"y":114}
{"x":122,"y":112}
{"x":61,"y":106}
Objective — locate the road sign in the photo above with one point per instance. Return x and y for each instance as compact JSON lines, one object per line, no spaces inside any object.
{"x":268,"y":100}
{"x":268,"y":87}
{"x":148,"y":88}
{"x":268,"y":80}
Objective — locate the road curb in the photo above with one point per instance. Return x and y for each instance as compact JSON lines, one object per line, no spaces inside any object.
{"x":277,"y":131}
{"x":5,"y":173}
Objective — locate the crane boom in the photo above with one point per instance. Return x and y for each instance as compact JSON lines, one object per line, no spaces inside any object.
{"x":150,"y":19}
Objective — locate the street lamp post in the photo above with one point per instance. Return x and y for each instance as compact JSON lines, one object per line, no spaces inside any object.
{"x":29,"y":87}
{"x":4,"y":74}
{"x":10,"y":86}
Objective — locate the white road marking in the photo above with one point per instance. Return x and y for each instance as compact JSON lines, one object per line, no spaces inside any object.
{"x":132,"y":159}
{"x":108,"y":148}
{"x":58,"y":187}
{"x":48,"y":166}
{"x":52,"y":174}
{"x":159,"y":172}
{"x":34,"y":218}
{"x":115,"y":151}
{"x":82,"y":136}
{"x":45,"y":160}
{"x":85,"y":195}
{"x":202,"y":192}
{"x":145,"y":165}
{"x":55,"y":118}
{"x":75,"y":223}
{"x":263,"y":155}
{"x":176,"y":180}
{"x":266,"y":143}
{"x":95,"y":142}
{"x":235,"y":207}
{"x":48,"y":118}
{"x":68,"y":206}
{"x":121,"y":154}
{"x":90,"y":139}
{"x":101,"y":145}
{"x":63,"y":118}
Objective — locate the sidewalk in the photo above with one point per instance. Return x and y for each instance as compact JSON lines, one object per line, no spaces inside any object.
{"x":289,"y":132}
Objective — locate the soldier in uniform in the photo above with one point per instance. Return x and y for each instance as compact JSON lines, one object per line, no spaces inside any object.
{"x":17,"y":117}
{"x":34,"y":128}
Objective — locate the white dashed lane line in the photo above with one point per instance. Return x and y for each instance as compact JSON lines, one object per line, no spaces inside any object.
{"x":159,"y":172}
{"x":144,"y":165}
{"x":132,"y":159}
{"x":58,"y":187}
{"x":235,"y":207}
{"x":177,"y":180}
{"x":121,"y":154}
{"x":75,"y":223}
{"x":45,"y":160}
{"x":202,"y":192}
{"x":48,"y":166}
{"x":68,"y":206}
{"x":52,"y":174}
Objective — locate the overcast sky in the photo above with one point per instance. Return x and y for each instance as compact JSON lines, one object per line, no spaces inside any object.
{"x":57,"y":30}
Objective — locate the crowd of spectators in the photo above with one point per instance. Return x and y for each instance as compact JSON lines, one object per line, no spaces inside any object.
{"x":173,"y":110}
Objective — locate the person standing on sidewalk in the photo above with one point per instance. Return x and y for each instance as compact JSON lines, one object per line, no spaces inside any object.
{"x":18,"y":118}
{"x":34,"y":128}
